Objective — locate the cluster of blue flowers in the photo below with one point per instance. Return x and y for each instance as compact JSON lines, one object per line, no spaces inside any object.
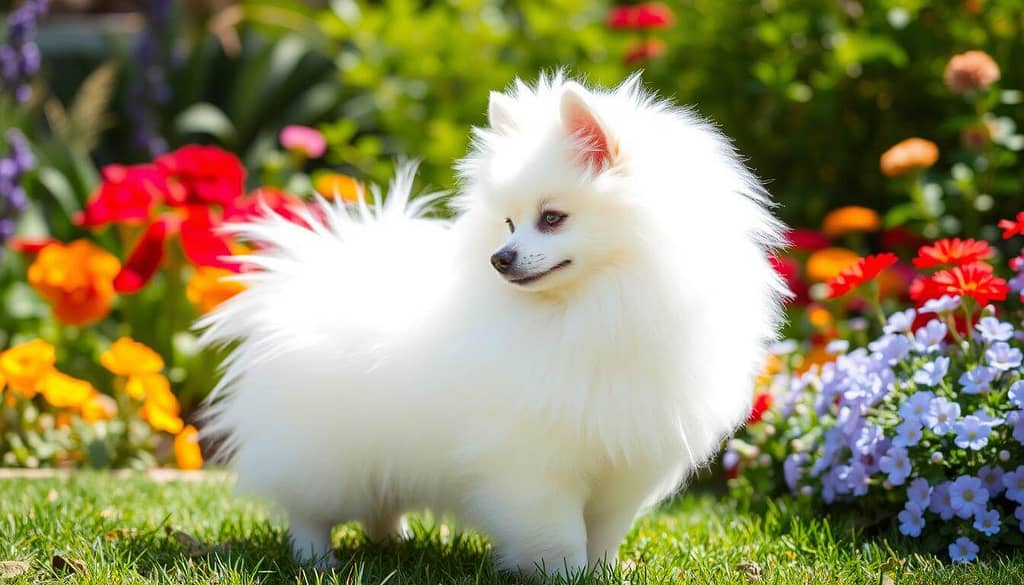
{"x":13,"y":166}
{"x":19,"y":54}
{"x":925,"y":421}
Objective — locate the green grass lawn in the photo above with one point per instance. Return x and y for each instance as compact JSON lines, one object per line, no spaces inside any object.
{"x":133,"y":530}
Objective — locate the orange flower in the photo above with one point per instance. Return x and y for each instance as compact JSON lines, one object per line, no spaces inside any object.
{"x":208,"y":287}
{"x":127,"y":357}
{"x":331,"y":185}
{"x":826,"y":264}
{"x":161,"y":409}
{"x":186,"y":449}
{"x":161,"y":420}
{"x":64,"y":391}
{"x":99,"y":407}
{"x":850,"y":219}
{"x":863,"y":271}
{"x":819,"y":316}
{"x":24,"y":366}
{"x":142,"y":385}
{"x":908,"y":155}
{"x":818,"y":356}
{"x":971,"y":71}
{"x":77,"y":280}
{"x":952,"y":251}
{"x":772,"y":366}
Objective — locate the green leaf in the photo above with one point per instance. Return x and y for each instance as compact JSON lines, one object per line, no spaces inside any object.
{"x":206,"y":118}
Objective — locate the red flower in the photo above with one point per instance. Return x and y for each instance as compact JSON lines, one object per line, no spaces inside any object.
{"x":969,"y":280}
{"x":1012,"y":227}
{"x":899,"y":238}
{"x":863,"y":271}
{"x":127,"y":195}
{"x":29,"y":245}
{"x":952,"y":251}
{"x":806,"y":239}
{"x":280,"y":202}
{"x":207,"y":173}
{"x":650,"y":15}
{"x":789,"y":270}
{"x":145,"y":258}
{"x":643,"y":50}
{"x":762,"y":402}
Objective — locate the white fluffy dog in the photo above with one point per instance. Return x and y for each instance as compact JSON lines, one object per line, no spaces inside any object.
{"x":545,"y":367}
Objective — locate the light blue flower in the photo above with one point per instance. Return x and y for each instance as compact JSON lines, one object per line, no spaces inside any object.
{"x":963,"y":550}
{"x":1016,"y":420}
{"x":900,"y":321}
{"x":908,"y":433}
{"x":837,"y":347}
{"x":977,"y":380}
{"x":891,"y":347}
{"x":971,"y":433}
{"x":992,"y":329}
{"x":917,"y":404}
{"x":783,"y":347}
{"x":932,"y":373}
{"x":941,"y":415}
{"x":911,"y":520}
{"x":928,"y":339}
{"x":987,"y":522}
{"x":941,"y":502}
{"x":943,"y":304}
{"x":1013,"y":481}
{"x":1019,"y":513}
{"x":1016,"y":283}
{"x":792,"y":469}
{"x":987,"y":419}
{"x":1016,"y":393}
{"x":919,"y":493}
{"x":967,"y":496}
{"x":896,"y":465}
{"x":991,"y":477}
{"x":1003,"y":357}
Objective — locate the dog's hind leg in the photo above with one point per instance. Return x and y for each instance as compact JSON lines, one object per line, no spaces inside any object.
{"x":385,"y":525}
{"x":311,"y":540}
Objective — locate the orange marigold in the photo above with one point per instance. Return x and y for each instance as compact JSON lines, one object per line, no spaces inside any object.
{"x":971,"y":71}
{"x":908,"y":155}
{"x":850,"y":219}
{"x":77,"y":279}
{"x":99,"y":407}
{"x":127,"y":357}
{"x":209,"y":287}
{"x":64,"y":391}
{"x":186,"y":448}
{"x":826,"y":264}
{"x":161,"y":409}
{"x":331,"y":185}
{"x":141,"y":385}
{"x":25,"y":365}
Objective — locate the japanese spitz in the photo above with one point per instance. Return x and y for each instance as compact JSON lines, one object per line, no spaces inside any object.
{"x":545,"y":367}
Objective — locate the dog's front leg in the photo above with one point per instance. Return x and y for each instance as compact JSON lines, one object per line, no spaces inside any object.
{"x":311,"y":540}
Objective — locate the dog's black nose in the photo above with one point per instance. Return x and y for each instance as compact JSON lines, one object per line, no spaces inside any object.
{"x":503,"y":260}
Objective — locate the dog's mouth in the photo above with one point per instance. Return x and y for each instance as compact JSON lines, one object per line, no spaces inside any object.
{"x":535,"y":277}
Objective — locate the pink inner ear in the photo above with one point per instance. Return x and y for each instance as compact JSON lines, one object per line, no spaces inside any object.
{"x":583,"y":126}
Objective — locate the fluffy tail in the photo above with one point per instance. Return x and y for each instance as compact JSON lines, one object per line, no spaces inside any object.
{"x":330,"y":290}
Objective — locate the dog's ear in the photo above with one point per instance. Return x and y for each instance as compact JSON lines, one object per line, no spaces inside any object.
{"x":580,"y":121}
{"x":499,"y":112}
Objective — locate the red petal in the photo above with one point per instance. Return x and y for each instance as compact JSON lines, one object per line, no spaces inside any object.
{"x":201,"y":244}
{"x":30,"y":246}
{"x":144,"y":260}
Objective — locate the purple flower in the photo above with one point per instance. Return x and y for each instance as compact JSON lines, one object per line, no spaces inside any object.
{"x":1016,"y":393}
{"x":977,"y":380}
{"x":891,"y":347}
{"x":792,"y":469}
{"x":917,"y":404}
{"x":971,"y":433}
{"x":941,"y":501}
{"x":967,"y":496}
{"x":18,"y":161}
{"x":837,"y":347}
{"x":1016,"y":420}
{"x":932,"y":373}
{"x":1016,"y":283}
{"x":991,"y":477}
{"x":1003,"y":357}
{"x":941,"y":415}
{"x":1019,"y":515}
{"x":943,"y":304}
{"x":911,"y":520}
{"x":987,"y":522}
{"x":928,"y":339}
{"x":900,"y":321}
{"x":919,"y":493}
{"x":19,"y":55}
{"x":963,"y":550}
{"x":896,"y":465}
{"x":1013,"y":481}
{"x":992,"y":329}
{"x":908,"y":433}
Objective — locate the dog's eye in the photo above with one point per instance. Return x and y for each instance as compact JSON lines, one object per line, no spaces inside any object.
{"x":511,"y":226}
{"x":552,"y":219}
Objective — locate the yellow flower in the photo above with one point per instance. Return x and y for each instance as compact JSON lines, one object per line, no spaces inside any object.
{"x":161,"y":408}
{"x":208,"y":288}
{"x":127,"y":357}
{"x":161,"y":420}
{"x":142,"y":385}
{"x":64,"y":391}
{"x":331,"y":185}
{"x":827,"y":263}
{"x":99,"y":407}
{"x":908,"y":155}
{"x":850,"y":219}
{"x":77,"y":279}
{"x":772,"y":366}
{"x":25,"y":365}
{"x":186,"y":449}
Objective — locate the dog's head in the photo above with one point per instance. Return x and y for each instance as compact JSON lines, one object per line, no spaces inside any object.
{"x":547,"y":180}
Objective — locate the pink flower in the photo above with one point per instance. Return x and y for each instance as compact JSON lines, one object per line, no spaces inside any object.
{"x":308,"y":141}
